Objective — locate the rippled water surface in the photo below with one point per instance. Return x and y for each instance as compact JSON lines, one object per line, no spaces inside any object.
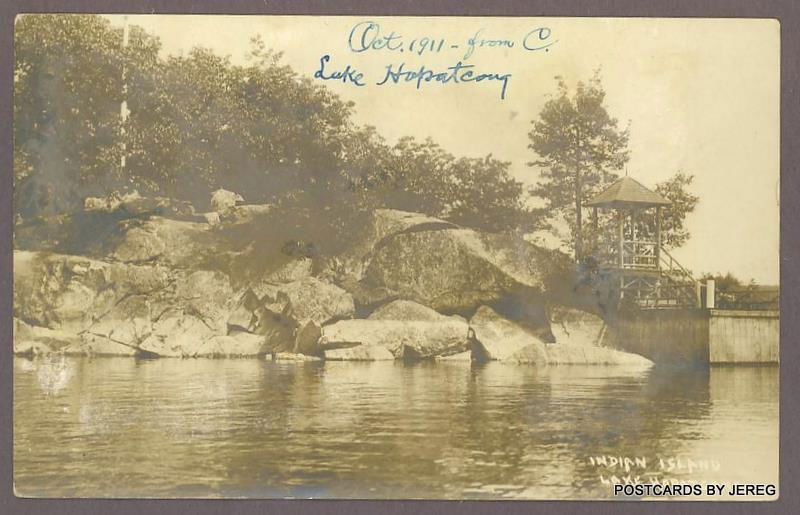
{"x":208,"y":428}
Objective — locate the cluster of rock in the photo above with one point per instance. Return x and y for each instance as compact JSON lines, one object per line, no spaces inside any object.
{"x":413,"y":287}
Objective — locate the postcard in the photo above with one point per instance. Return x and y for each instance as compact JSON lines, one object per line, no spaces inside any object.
{"x":372,"y":257}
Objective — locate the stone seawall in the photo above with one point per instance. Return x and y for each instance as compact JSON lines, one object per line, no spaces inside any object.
{"x":700,"y":336}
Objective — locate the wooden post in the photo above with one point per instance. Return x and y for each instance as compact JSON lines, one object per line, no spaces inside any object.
{"x":620,"y":247}
{"x":596,"y":235}
{"x":634,"y":249}
{"x":658,"y":237}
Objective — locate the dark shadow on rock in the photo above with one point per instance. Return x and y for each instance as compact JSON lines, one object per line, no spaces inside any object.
{"x":526,"y":307}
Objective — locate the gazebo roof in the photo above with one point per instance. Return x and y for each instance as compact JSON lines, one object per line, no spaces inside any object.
{"x":627,"y":193}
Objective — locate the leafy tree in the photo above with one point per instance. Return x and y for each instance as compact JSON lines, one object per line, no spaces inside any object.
{"x":198,"y":122}
{"x":257,"y":129}
{"x":676,"y":189}
{"x":420,"y":174}
{"x":579,"y":149}
{"x":475,"y":192}
{"x":487,"y":197}
{"x":366,"y":164}
{"x":67,"y":94}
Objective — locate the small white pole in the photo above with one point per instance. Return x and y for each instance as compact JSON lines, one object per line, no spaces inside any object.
{"x":123,"y":106}
{"x":710,"y":294}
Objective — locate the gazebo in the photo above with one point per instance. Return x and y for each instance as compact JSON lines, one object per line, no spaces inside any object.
{"x":629,"y":198}
{"x":645,"y":271}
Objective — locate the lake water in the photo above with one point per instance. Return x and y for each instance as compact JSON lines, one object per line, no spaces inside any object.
{"x":254,"y":428}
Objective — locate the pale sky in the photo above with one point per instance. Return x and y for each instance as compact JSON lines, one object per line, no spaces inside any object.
{"x":702,"y":96}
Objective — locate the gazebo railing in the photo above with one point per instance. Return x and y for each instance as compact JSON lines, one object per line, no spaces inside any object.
{"x":639,"y":254}
{"x":636,"y":254}
{"x":652,"y":278}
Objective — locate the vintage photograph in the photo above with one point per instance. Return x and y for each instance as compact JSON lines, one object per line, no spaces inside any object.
{"x":345,"y":257}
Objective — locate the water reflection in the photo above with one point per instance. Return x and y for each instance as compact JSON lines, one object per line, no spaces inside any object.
{"x":122,"y":427}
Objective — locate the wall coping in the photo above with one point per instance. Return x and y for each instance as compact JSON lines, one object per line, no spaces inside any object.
{"x":742,"y":313}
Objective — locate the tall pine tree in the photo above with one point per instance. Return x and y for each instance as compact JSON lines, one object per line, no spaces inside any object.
{"x":579,"y":149}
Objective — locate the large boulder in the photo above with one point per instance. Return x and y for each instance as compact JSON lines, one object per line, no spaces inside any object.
{"x":207,"y":295}
{"x":176,"y":243}
{"x":69,"y":293}
{"x":399,"y":329}
{"x":403,"y":339}
{"x":223,"y":200}
{"x":449,"y":269}
{"x":176,"y":335}
{"x":577,"y":327}
{"x":313,"y":300}
{"x":290,"y":316}
{"x":348,"y":267}
{"x":560,"y":354}
{"x":93,"y":345}
{"x":435,"y":269}
{"x":406,"y":310}
{"x":128,"y":323}
{"x":366,"y":297}
{"x":497,"y":338}
{"x":34,"y":340}
{"x":238,"y":344}
{"x":360,"y":353}
{"x":294,"y":270}
{"x":384,"y":224}
{"x":75,"y":305}
{"x":170,"y":322}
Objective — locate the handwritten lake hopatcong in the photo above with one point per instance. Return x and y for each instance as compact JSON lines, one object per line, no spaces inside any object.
{"x":459,"y":73}
{"x":367,"y":37}
{"x":395,"y":257}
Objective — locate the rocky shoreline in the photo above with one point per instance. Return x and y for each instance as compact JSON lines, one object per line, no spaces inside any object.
{"x":412,"y":287}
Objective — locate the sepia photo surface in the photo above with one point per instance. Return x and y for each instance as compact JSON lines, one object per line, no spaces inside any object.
{"x":396,"y":257}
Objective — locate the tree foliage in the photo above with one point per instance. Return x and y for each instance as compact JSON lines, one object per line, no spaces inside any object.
{"x":676,"y":189}
{"x":475,"y":192}
{"x":579,"y":149}
{"x":198,"y":122}
{"x":67,"y":94}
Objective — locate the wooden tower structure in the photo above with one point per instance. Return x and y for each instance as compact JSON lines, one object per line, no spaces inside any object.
{"x":635,"y":258}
